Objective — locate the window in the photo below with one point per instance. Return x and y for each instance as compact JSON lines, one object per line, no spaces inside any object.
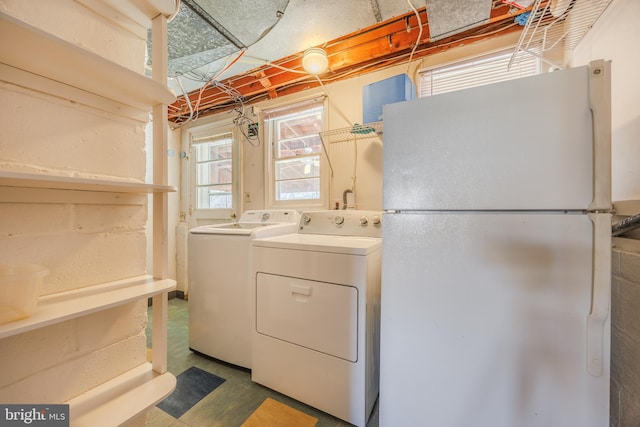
{"x":478,"y":71}
{"x":214,"y":174}
{"x":296,"y":171}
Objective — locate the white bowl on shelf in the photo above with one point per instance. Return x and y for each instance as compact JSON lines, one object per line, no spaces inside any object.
{"x":19,"y":290}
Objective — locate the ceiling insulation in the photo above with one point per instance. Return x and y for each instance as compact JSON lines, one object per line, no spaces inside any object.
{"x":204,"y":31}
{"x":447,"y":18}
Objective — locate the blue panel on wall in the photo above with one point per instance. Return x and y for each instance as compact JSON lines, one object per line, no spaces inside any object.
{"x":388,"y":91}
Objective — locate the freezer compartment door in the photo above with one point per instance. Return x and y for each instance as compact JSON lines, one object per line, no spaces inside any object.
{"x":484,"y":322}
{"x":523,"y":144}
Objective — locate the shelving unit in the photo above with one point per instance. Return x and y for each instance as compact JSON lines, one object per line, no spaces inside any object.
{"x":41,"y":62}
{"x":119,"y":399}
{"x":55,"y":182}
{"x":79,"y":75}
{"x":83,"y":301}
{"x":352,"y":133}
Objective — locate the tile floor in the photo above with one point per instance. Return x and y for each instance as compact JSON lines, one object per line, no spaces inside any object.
{"x":235,"y":400}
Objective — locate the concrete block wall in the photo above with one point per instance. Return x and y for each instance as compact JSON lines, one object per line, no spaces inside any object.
{"x":625,"y":338}
{"x":82,"y":242}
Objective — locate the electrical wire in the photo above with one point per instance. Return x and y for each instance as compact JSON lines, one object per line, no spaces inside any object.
{"x":211,"y":80}
{"x":271,"y":64}
{"x":387,"y":63}
{"x":419,"y":34}
{"x":186,"y":96}
{"x":215,"y":78}
{"x":241,"y":121}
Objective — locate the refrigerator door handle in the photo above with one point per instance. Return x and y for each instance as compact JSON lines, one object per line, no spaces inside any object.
{"x":600,"y":292}
{"x":600,"y":104}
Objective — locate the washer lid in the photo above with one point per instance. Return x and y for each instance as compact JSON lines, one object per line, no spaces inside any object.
{"x":255,"y":229}
{"x":353,"y":245}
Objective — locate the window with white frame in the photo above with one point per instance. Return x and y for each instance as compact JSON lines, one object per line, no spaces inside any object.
{"x":296,"y":165}
{"x":214,"y":173}
{"x":478,"y":71}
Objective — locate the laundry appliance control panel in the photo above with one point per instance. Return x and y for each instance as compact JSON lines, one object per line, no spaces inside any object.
{"x":342,"y":223}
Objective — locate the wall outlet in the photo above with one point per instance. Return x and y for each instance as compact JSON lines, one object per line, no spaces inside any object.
{"x":247,"y":197}
{"x":252,"y":130}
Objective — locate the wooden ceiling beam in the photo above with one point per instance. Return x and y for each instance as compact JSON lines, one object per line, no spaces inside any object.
{"x":366,"y":50}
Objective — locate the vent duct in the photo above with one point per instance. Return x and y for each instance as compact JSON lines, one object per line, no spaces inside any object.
{"x":205,"y":31}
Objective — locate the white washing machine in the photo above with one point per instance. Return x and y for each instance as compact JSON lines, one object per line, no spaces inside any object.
{"x":317,"y":312}
{"x":219,"y":267}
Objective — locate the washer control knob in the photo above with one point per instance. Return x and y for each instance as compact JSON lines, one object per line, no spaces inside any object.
{"x":376,"y":220}
{"x":306,"y":219}
{"x":364,"y":220}
{"x":266,"y":216}
{"x":339,"y":220}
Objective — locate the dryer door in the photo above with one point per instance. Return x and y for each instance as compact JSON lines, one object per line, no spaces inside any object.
{"x":315,"y":315}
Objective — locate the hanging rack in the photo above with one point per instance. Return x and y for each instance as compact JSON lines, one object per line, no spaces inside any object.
{"x":557,"y":24}
{"x":352,"y":133}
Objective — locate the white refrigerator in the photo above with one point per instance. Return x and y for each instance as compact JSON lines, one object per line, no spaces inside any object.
{"x":496,"y":255}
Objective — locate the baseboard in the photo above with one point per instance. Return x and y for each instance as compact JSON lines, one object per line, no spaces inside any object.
{"x":173,"y":294}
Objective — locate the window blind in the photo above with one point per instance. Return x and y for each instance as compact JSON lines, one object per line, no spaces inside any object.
{"x":476,"y":72}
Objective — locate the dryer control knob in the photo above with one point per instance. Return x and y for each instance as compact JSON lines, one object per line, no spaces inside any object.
{"x":376,"y":220}
{"x":364,"y":220}
{"x":306,"y":219}
{"x":339,"y":219}
{"x":266,"y":216}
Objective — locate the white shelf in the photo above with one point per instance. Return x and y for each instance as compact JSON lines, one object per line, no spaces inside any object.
{"x":43,"y":64}
{"x":121,"y":398}
{"x":53,"y":182}
{"x":36,"y":52}
{"x":67,"y":305}
{"x":135,"y":15}
{"x":353,"y":133}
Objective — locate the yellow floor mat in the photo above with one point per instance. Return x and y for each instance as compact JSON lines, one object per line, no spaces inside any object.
{"x":275,"y":414}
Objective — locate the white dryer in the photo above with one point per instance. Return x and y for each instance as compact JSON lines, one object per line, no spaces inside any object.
{"x":317,"y":312}
{"x":219,"y":267}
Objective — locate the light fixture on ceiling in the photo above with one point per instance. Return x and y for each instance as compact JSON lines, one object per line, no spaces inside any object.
{"x":315,"y":61}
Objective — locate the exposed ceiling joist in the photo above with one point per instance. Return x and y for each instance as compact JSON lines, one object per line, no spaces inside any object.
{"x":376,"y":47}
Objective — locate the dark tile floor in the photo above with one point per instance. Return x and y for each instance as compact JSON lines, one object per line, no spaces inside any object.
{"x":231,"y":403}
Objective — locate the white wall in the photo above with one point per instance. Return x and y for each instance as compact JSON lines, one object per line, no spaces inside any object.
{"x":345,"y":109}
{"x":615,"y":37}
{"x":81,"y":243}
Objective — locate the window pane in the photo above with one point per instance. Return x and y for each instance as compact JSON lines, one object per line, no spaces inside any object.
{"x":298,"y":125}
{"x":298,"y":146}
{"x":215,"y":197}
{"x":213,"y":170}
{"x":299,"y":189}
{"x":296,"y":150}
{"x":218,"y":172}
{"x":213,"y":150}
{"x":307,"y":167}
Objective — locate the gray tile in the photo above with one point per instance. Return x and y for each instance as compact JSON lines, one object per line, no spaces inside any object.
{"x":235,"y":400}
